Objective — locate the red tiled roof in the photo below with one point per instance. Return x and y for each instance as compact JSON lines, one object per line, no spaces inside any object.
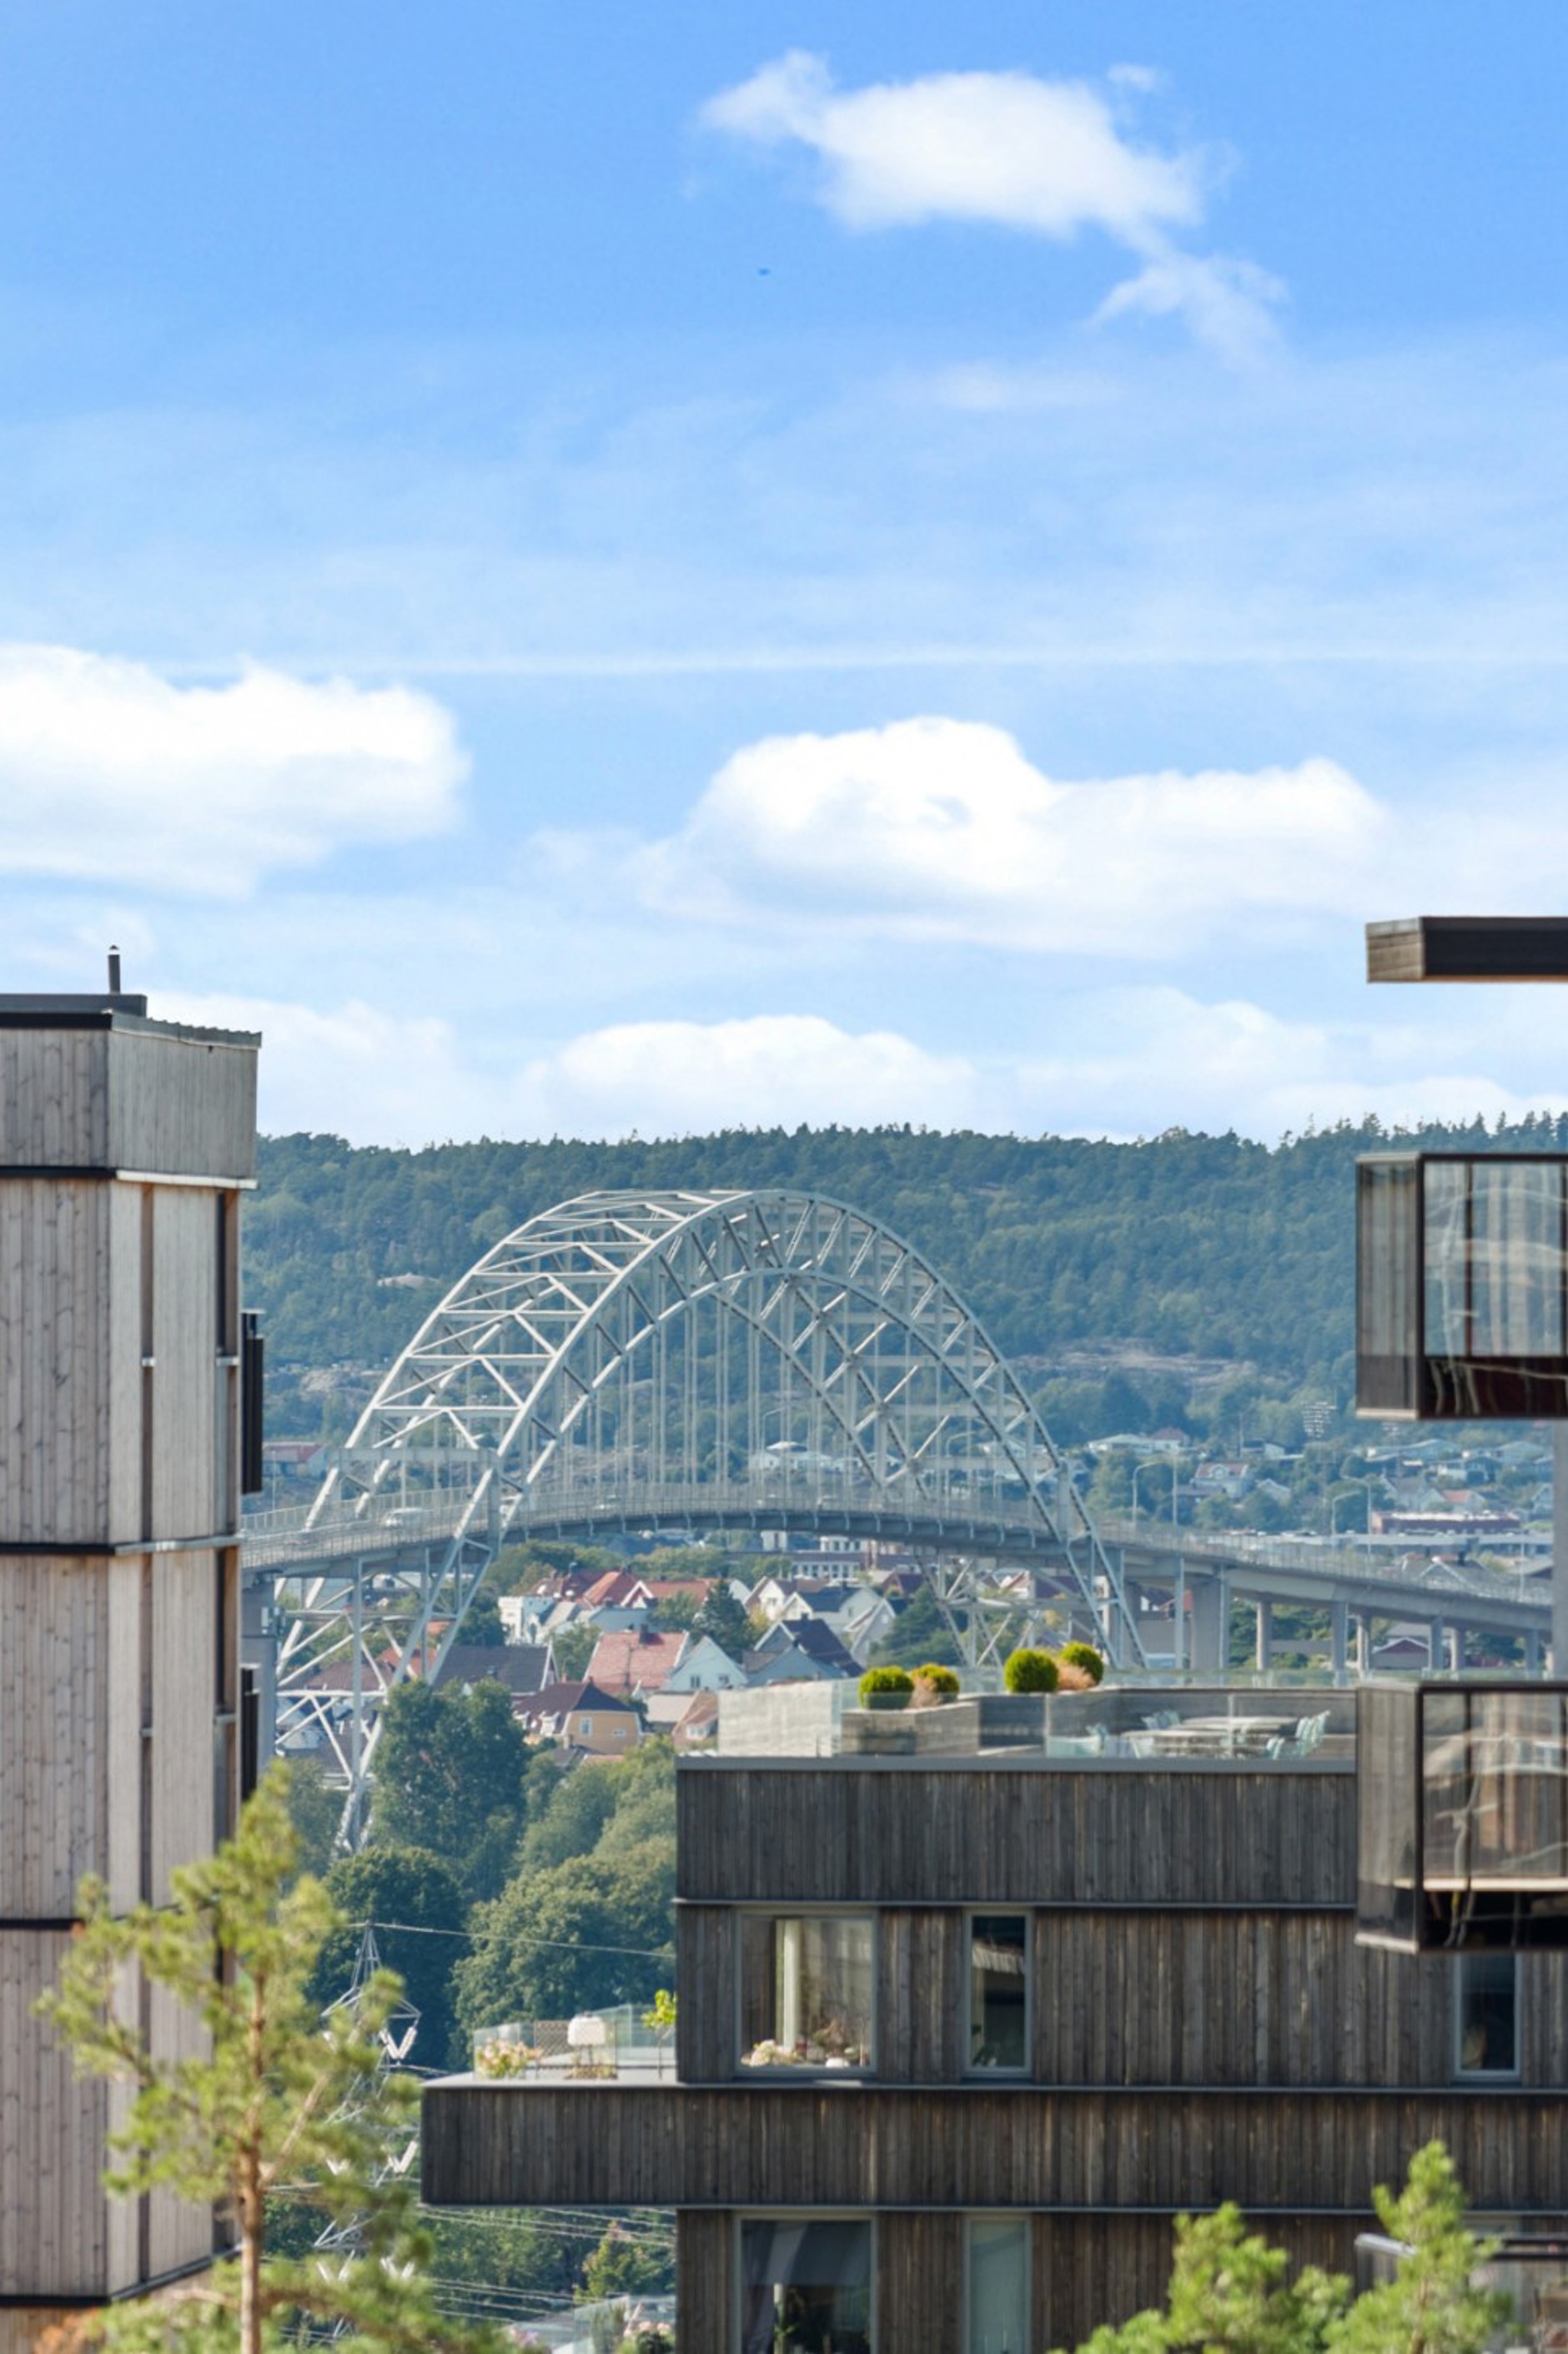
{"x":630,"y":1659}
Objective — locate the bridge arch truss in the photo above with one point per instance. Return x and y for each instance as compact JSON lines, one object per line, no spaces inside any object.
{"x":629,"y":1358}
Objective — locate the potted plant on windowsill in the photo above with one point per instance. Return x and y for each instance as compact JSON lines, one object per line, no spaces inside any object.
{"x":887,"y":1687}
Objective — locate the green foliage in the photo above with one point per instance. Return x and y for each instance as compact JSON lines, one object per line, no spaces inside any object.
{"x":503,"y":2249}
{"x":519,"y":1569}
{"x":588,"y":1920}
{"x":1430,"y":2307}
{"x":921,"y":1630}
{"x":449,"y":1776}
{"x":1229,"y":2290}
{"x":722,"y":1618}
{"x":1029,"y":1671}
{"x":938,"y":1679}
{"x":661,"y":2014}
{"x":1084,"y":1656}
{"x":315,"y":1810}
{"x":675,"y":1614}
{"x":418,"y":1908}
{"x":278,"y":2096}
{"x":481,"y":1623}
{"x":631,"y":2263}
{"x":886,"y":1682}
{"x":573,"y":1648}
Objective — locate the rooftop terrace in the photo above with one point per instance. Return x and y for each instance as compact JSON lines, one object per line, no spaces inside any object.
{"x":1120,"y":1726}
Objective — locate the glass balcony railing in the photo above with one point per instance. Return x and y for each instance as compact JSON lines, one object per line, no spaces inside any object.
{"x":1462,"y":1286}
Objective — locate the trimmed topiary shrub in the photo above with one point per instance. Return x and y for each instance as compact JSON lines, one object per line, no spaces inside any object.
{"x":1084,"y":1656}
{"x":935,"y":1684}
{"x":1030,"y":1672}
{"x":887,"y":1687}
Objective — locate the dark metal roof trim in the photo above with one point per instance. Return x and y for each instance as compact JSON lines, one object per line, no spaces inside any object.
{"x":1468,"y":948}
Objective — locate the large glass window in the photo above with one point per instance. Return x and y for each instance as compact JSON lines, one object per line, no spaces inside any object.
{"x":1486,"y":2021}
{"x":996,"y":2291}
{"x":805,"y":2286}
{"x":806,"y":1990}
{"x":999,"y":1990}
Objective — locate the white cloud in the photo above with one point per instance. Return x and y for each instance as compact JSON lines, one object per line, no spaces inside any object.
{"x":379,"y":1077}
{"x":1012,"y":151}
{"x":353,"y":1070}
{"x":1227,"y":303}
{"x":1141,"y":1060}
{"x":1132,"y":1061}
{"x":1005,"y":148}
{"x":676,"y":1078}
{"x":942,"y":828}
{"x":109,"y":772}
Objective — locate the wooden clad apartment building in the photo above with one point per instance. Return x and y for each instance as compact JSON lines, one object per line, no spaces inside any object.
{"x":124,"y":1146}
{"x":960,"y":2035}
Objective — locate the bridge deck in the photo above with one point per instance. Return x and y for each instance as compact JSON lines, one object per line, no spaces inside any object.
{"x":283,"y":1544}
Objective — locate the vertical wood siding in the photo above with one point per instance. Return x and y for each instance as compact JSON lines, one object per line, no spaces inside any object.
{"x":855,"y":1831}
{"x":919,"y":2282}
{"x":109,"y":1684}
{"x":704,"y":2267}
{"x":52,"y":2220}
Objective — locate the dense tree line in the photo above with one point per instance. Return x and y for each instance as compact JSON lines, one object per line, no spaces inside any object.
{"x":1206,"y":1244}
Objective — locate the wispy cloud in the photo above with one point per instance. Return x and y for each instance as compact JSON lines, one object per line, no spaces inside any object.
{"x":1012,"y":151}
{"x":110,"y":772}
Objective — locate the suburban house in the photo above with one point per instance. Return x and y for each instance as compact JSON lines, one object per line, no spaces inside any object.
{"x":635,"y":1660}
{"x":520,"y":1667}
{"x":811,"y":1638}
{"x":703,"y":1665}
{"x":581,"y":1716}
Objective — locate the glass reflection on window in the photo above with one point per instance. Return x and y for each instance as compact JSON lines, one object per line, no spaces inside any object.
{"x":1487,"y":1999}
{"x":998,"y":2290}
{"x":805,"y":1984}
{"x":806,"y":2286}
{"x":999,"y":1990}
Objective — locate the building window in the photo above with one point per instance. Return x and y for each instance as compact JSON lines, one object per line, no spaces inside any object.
{"x":996,"y":2284}
{"x":805,"y":2285}
{"x":805,"y":1990}
{"x":585,"y":1726}
{"x":1486,"y":2015}
{"x":999,"y":1990}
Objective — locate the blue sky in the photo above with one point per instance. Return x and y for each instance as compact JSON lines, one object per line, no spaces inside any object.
{"x":594,"y":570}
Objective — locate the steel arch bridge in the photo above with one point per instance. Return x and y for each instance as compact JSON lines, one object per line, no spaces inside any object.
{"x":773,"y":1358}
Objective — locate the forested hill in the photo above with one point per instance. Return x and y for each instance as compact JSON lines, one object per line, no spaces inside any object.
{"x":1185,"y":1246}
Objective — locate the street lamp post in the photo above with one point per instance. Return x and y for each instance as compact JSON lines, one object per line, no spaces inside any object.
{"x":1157,"y":1463}
{"x":1335,"y":1501}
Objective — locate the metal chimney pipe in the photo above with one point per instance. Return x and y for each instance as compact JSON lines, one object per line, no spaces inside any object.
{"x":114,"y":971}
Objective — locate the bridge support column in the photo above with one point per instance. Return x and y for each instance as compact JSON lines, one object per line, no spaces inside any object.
{"x":1263,"y":1646}
{"x":1532,"y":1652}
{"x":1211,"y":1622}
{"x":1339,"y":1640}
{"x":1437,"y":1647}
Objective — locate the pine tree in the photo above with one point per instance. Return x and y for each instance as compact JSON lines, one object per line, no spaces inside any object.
{"x":276,"y":2097}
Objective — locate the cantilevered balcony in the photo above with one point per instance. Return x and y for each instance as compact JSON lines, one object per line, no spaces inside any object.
{"x":1462,"y":1286}
{"x":1462,"y":1817}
